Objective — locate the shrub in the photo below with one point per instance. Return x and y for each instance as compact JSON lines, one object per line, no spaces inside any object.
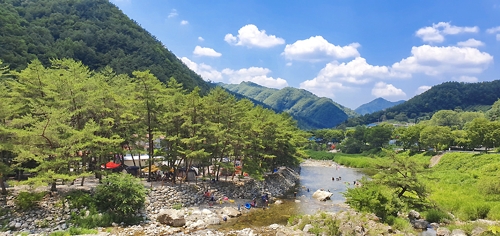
{"x":375,"y":199}
{"x":399,"y":223}
{"x":27,"y":200}
{"x":120,"y":194}
{"x":74,"y":231}
{"x":80,"y":199}
{"x":177,"y":206}
{"x":494,"y":213}
{"x":436,"y":216}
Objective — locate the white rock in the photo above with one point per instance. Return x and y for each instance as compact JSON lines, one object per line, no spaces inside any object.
{"x":322,"y":195}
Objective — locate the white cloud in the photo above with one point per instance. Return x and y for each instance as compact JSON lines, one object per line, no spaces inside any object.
{"x":335,"y":75}
{"x":317,"y":48}
{"x":436,"y":33}
{"x":257,"y":75}
{"x":498,"y":37}
{"x":471,"y":43}
{"x":422,"y":89}
{"x":184,"y":22}
{"x":356,"y":71}
{"x":173,"y":13}
{"x":201,"y":39}
{"x":493,"y":30}
{"x":251,"y":36}
{"x":435,"y":61}
{"x":288,"y":64}
{"x":208,"y":52}
{"x":382,"y":89}
{"x":205,"y":71}
{"x":466,"y":79}
{"x":323,"y":89}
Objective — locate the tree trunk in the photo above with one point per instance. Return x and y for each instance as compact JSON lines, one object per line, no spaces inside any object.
{"x":83,"y":180}
{"x":2,"y":184}
{"x":402,"y":192}
{"x":53,"y":187}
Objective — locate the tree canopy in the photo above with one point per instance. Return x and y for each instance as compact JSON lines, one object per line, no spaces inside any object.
{"x":70,"y":120}
{"x":94,"y":32}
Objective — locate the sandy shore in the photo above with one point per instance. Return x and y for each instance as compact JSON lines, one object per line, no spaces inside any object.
{"x":312,"y":162}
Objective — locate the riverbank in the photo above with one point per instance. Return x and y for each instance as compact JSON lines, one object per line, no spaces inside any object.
{"x":53,"y":214}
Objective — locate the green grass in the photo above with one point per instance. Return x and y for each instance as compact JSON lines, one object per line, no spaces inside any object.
{"x":350,"y":160}
{"x":74,"y":231}
{"x":467,"y":185}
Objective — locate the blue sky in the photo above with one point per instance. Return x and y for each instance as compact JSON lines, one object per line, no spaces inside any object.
{"x":349,"y":51}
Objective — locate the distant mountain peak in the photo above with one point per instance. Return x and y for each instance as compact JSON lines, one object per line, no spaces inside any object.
{"x":377,"y":104}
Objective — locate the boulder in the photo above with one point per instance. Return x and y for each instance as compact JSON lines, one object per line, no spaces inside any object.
{"x":419,"y":224}
{"x":307,"y":228}
{"x":458,"y":232}
{"x":413,"y":215}
{"x":322,"y":195}
{"x":230,"y":211}
{"x":171,"y":217}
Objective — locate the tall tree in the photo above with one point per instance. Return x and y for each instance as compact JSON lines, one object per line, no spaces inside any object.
{"x":150,"y":92}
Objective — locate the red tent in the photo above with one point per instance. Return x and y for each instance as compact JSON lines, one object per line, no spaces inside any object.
{"x":110,"y":165}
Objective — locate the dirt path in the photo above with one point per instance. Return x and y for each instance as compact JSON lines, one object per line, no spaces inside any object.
{"x":435,"y":160}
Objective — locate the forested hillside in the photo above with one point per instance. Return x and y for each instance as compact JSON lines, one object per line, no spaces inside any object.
{"x":445,"y":96}
{"x":377,"y":104}
{"x":310,"y":111}
{"x":95,"y":32}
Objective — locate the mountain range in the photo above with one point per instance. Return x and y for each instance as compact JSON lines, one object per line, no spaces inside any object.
{"x":311,"y":111}
{"x":99,"y":34}
{"x":446,"y":96}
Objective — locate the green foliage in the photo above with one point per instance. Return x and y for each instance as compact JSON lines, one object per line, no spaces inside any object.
{"x":445,"y":96}
{"x":465,"y":185}
{"x":120,"y":194}
{"x":177,"y":206}
{"x":400,"y":224}
{"x":74,"y":231}
{"x":436,"y":216}
{"x":79,"y":199}
{"x":322,"y":223}
{"x":320,"y":155}
{"x":95,"y":219}
{"x":494,"y":213}
{"x":29,"y":200}
{"x":374,"y":198}
{"x":103,"y":36}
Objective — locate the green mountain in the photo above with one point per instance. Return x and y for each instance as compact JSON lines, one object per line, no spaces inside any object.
{"x":310,"y":111}
{"x":95,"y":32}
{"x":378,"y":104}
{"x":445,"y":96}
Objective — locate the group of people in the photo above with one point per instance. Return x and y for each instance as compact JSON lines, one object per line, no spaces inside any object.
{"x":338,"y":179}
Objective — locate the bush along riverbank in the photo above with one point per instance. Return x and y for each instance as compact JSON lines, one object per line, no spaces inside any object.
{"x":165,"y":209}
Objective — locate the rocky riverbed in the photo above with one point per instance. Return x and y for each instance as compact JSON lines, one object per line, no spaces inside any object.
{"x":52,"y":214}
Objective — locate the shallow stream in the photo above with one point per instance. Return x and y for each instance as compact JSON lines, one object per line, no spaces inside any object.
{"x":300,"y":201}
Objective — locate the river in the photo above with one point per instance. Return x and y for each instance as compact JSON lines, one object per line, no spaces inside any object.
{"x":313,"y":176}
